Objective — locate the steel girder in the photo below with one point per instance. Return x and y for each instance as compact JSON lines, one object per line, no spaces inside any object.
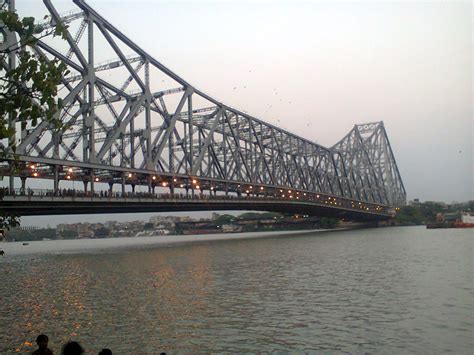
{"x":134,"y":113}
{"x":370,"y":172}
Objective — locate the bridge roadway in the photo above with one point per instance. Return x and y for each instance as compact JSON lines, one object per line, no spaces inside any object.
{"x":43,"y":202}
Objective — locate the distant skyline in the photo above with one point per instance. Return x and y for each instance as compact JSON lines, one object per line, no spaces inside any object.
{"x":318,"y":67}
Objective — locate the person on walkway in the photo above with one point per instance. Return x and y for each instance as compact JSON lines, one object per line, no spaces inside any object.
{"x":42,"y":341}
{"x":72,"y":348}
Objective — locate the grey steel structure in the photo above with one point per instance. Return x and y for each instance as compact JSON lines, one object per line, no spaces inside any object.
{"x":132,"y":121}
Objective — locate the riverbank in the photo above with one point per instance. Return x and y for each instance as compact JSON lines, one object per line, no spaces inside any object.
{"x":90,"y":245}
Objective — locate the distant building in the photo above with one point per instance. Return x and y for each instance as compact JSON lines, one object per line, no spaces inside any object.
{"x":110,"y":224}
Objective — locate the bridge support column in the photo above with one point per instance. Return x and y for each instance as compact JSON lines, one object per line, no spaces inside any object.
{"x":92,"y":177}
{"x":111,"y":188}
{"x":23,"y":185}
{"x":85,"y":182}
{"x":171,"y":188}
{"x":133,"y":188}
{"x":56,"y":180}
{"x":123,"y":185}
{"x":12,"y":179}
{"x":149,"y":186}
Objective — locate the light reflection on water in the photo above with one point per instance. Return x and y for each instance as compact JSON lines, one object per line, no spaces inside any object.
{"x":379,"y":290}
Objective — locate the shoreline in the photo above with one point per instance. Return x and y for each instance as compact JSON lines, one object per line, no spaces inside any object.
{"x":72,"y":246}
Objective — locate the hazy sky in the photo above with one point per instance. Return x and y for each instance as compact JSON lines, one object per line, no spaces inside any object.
{"x":332,"y":64}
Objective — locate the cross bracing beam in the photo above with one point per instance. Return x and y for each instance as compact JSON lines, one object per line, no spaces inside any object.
{"x":110,"y":64}
{"x":146,"y":117}
{"x":65,"y":19}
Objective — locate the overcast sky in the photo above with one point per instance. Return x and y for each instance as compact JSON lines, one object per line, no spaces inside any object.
{"x":321,"y":66}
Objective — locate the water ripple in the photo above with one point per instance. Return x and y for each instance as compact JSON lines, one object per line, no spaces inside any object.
{"x":391,"y":290}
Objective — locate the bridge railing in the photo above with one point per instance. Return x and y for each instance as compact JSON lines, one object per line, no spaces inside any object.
{"x":119,"y":195}
{"x":73,"y":194}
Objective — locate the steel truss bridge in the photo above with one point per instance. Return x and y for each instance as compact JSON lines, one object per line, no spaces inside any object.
{"x":131,"y":122}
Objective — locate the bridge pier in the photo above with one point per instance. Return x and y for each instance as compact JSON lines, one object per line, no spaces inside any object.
{"x":23,"y":184}
{"x":123,"y":184}
{"x":111,"y":186}
{"x":56,"y":180}
{"x":92,"y":177}
{"x":85,"y":182}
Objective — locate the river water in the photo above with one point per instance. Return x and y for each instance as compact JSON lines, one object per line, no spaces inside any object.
{"x":388,"y":290}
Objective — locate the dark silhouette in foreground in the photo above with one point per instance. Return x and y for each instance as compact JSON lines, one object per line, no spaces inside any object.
{"x":72,"y":348}
{"x":105,"y":352}
{"x":42,"y":341}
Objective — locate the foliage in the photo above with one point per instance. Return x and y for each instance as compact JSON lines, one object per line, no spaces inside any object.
{"x":28,"y":92}
{"x":470,"y":205}
{"x":68,"y":234}
{"x":148,"y":226}
{"x":21,"y":235}
{"x":409,"y":215}
{"x":102,"y":232}
{"x":7,"y":221}
{"x":256,"y":215}
{"x":224,"y":219}
{"x":328,"y":223}
{"x":426,"y":212}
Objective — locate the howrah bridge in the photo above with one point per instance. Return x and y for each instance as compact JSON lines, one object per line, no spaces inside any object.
{"x":160,"y":144}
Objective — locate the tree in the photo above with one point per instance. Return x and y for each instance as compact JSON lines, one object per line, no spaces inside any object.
{"x":328,"y":223}
{"x":148,"y":226}
{"x":28,"y":89}
{"x":102,"y":232}
{"x":224,"y":219}
{"x":409,"y":215}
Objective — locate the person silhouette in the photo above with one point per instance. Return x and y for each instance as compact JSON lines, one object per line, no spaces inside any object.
{"x":105,"y":352}
{"x":72,"y":348}
{"x":42,"y":341}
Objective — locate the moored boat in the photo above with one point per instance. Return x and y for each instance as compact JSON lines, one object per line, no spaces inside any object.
{"x":467,"y":221}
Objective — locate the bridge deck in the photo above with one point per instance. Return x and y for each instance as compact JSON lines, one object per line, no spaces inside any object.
{"x":27,"y":205}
